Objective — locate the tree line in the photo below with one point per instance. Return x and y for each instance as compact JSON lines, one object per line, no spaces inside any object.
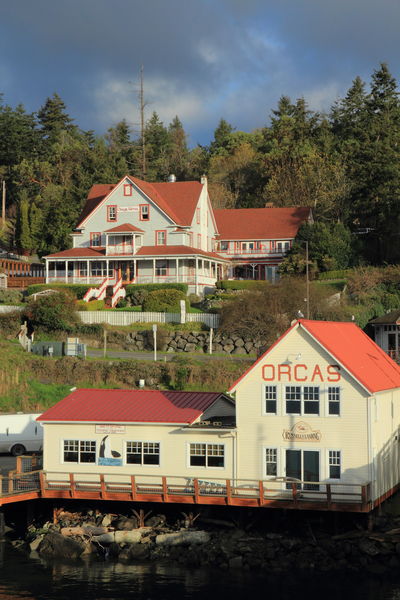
{"x":345,"y":164}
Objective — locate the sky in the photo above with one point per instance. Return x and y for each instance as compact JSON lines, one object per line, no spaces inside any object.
{"x":203,"y":60}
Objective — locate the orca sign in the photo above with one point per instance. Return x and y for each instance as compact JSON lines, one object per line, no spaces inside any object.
{"x":301,"y":372}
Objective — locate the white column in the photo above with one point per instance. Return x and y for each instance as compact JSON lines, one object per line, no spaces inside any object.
{"x":87,"y":271}
{"x":154,"y":270}
{"x":196,"y":275}
{"x":47,"y":271}
{"x":135,"y":267}
{"x":177,"y":269}
{"x":66,"y":271}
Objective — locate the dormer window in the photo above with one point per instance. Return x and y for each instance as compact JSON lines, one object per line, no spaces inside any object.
{"x":161,"y":238}
{"x":127,"y":189}
{"x":144,"y":212}
{"x":111,"y":212}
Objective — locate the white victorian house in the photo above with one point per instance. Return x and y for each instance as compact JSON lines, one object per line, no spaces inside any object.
{"x":141,"y":232}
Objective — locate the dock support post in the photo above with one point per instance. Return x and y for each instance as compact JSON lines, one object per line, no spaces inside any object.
{"x":2,"y":526}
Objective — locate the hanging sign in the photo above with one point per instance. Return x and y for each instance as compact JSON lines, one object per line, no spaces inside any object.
{"x":128,"y":209}
{"x":110,"y":429}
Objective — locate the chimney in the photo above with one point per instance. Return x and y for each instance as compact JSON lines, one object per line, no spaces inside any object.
{"x":171,"y":178}
{"x":269,"y":205}
{"x":203,"y":179}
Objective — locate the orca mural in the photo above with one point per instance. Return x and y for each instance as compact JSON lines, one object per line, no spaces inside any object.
{"x":107,"y":456}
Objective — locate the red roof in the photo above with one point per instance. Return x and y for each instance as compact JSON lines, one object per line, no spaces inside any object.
{"x":175,"y":250}
{"x":78,"y":253}
{"x":352,"y":349}
{"x":124,"y":227}
{"x":260,"y":223}
{"x":176,"y":199}
{"x":130,"y":406}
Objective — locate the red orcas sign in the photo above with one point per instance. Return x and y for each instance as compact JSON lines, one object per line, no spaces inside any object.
{"x":313,"y":373}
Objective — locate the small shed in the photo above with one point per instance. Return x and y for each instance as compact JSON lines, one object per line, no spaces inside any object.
{"x":387,"y":332}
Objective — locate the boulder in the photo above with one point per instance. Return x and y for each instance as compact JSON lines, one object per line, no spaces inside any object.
{"x":182,"y":538}
{"x":239,"y":342}
{"x":120,"y":537}
{"x":139,"y":551}
{"x":190,"y":347}
{"x":55,"y":544}
{"x":239,"y":350}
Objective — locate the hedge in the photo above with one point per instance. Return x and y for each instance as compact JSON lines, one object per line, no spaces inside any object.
{"x":151,"y":287}
{"x":242,"y":284}
{"x":165,"y":300}
{"x":78,"y":289}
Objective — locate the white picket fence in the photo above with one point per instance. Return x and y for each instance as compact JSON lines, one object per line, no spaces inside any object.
{"x":121,"y":318}
{"x":5,"y":308}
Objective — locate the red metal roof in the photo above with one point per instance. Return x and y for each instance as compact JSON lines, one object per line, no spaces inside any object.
{"x":260,"y":223}
{"x":78,"y":253}
{"x":352,"y":349}
{"x":175,"y":250}
{"x":124,"y":227}
{"x":96,"y":194}
{"x":130,"y":406}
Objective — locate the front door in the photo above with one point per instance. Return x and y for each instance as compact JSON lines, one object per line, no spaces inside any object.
{"x":303,"y":465}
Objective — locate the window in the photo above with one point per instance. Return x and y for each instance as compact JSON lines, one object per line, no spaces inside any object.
{"x":161,"y":268}
{"x":95,"y":239}
{"x":82,"y":269}
{"x":207,"y":455}
{"x":127,"y":189}
{"x":111,"y":212}
{"x":282,"y":246}
{"x":334,"y":464}
{"x":271,"y":462}
{"x":143,"y":453}
{"x":79,"y":451}
{"x":224,"y":246}
{"x":161,"y":238}
{"x":190,"y":234}
{"x":144,"y":212}
{"x":333,"y":400}
{"x":270,"y":399}
{"x":98,"y":268}
{"x":199,"y":240}
{"x":302,"y":400}
{"x":198,"y":216}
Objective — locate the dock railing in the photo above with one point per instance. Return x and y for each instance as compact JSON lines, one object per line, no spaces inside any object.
{"x":278,"y":492}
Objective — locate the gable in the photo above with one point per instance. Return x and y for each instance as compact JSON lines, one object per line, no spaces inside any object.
{"x":311,"y":351}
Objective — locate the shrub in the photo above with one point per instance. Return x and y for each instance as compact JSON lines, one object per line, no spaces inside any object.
{"x":77,"y":289}
{"x":8,"y":296}
{"x":56,"y":312}
{"x":92,"y":305}
{"x":137,"y":297}
{"x":10,"y":323}
{"x":194,"y":299}
{"x":94,"y":329}
{"x":166,"y":300}
{"x":338,"y":274}
{"x":151,"y":287}
{"x":122,"y":303}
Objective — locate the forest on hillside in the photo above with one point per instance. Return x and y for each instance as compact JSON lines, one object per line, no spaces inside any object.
{"x":344,"y":164}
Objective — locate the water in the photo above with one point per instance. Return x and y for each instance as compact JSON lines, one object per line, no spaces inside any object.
{"x":25,"y":578}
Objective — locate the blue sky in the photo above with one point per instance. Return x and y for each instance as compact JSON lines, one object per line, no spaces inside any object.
{"x":203,"y":59}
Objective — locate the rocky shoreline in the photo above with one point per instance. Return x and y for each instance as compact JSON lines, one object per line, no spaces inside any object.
{"x":221,"y":544}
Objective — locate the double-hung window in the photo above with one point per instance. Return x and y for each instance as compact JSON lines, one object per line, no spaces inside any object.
{"x":79,"y":451}
{"x":335,"y":463}
{"x":270,"y":399}
{"x":111,"y":212}
{"x":161,"y":237}
{"x":302,"y":400}
{"x":333,"y":400}
{"x":271,"y":462}
{"x":127,"y":189}
{"x":143,"y":453}
{"x":207,"y":455}
{"x":95,"y":239}
{"x":161,"y":268}
{"x":144,"y":212}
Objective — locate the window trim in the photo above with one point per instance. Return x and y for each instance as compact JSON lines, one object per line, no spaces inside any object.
{"x":109,"y":219}
{"x":78,"y":462}
{"x":163,"y":231}
{"x":199,"y":241}
{"x":277,"y":450}
{"x":141,"y":206}
{"x":142,"y":442}
{"x":328,"y":464}
{"x":127,"y":188}
{"x":301,"y":413}
{"x":206,"y":466}
{"x":92,"y":238}
{"x":328,"y":401}
{"x":198,"y":215}
{"x":264,"y":399}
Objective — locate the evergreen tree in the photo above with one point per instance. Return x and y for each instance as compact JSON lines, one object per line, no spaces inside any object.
{"x":178,"y":151}
{"x":24,"y":238}
{"x":157,"y":149}
{"x":53,"y":119}
{"x":221,"y":138}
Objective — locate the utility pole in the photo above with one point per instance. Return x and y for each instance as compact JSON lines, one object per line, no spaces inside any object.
{"x":307,"y":282}
{"x":3,"y":203}
{"x":142,"y":105}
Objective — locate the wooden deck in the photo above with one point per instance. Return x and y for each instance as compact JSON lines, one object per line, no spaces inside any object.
{"x":318,"y":496}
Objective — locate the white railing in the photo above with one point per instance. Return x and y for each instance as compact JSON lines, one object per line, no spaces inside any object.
{"x":5,"y":308}
{"x":97,"y":293}
{"x":118,"y":292}
{"x":123,"y":318}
